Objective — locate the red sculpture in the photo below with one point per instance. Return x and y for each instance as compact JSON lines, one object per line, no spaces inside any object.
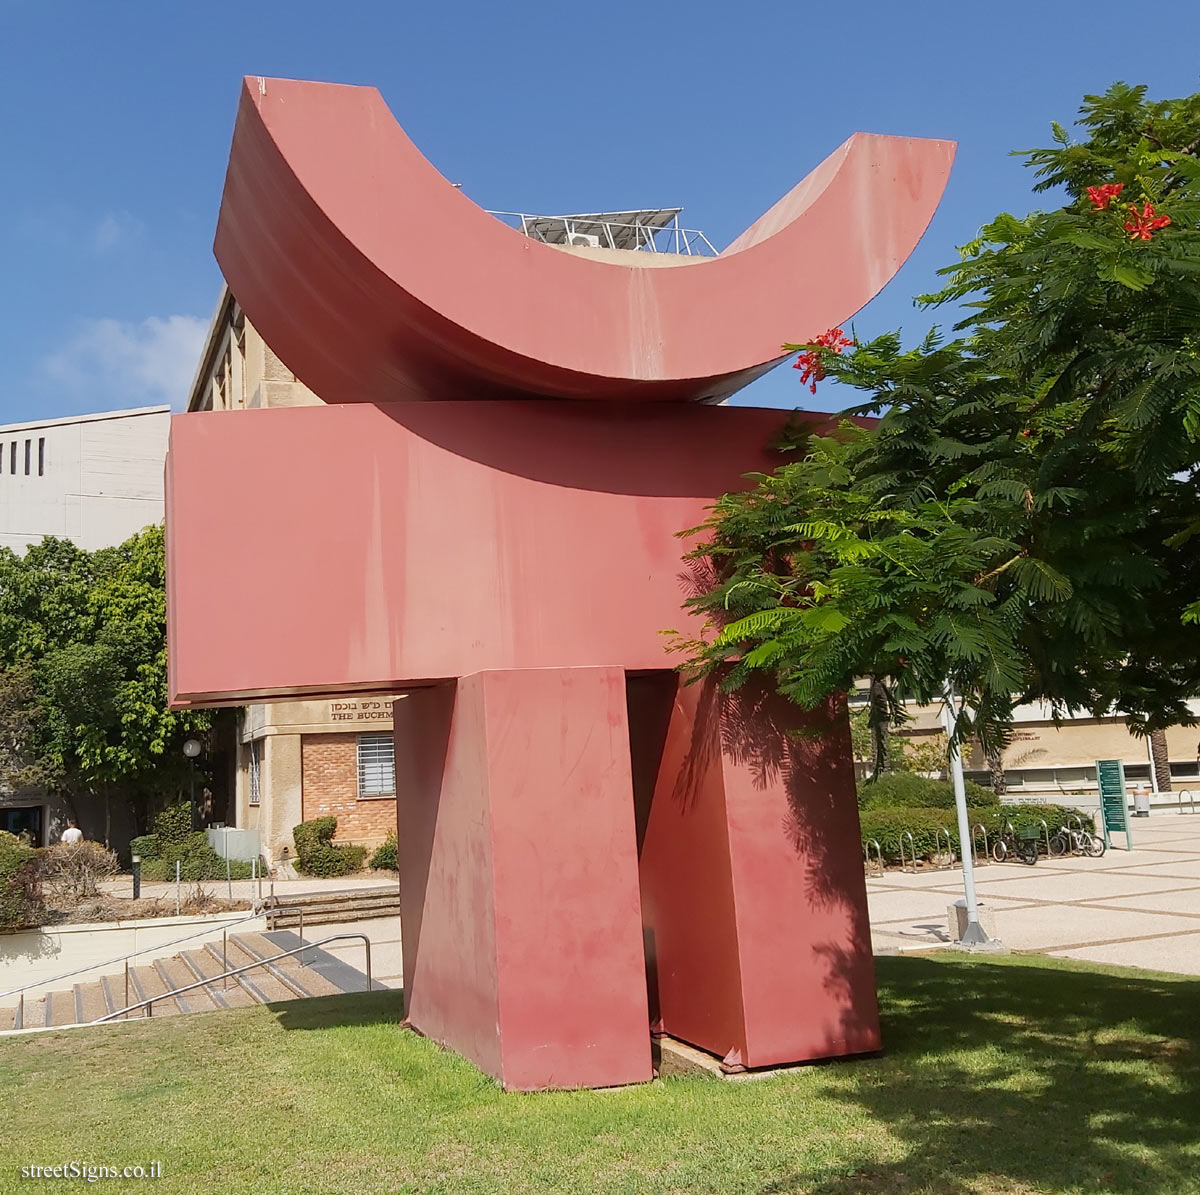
{"x":587,"y":849}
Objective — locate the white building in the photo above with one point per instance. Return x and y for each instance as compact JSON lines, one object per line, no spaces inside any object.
{"x":92,"y":479}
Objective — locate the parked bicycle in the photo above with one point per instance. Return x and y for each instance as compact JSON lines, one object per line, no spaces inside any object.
{"x":1075,"y":840}
{"x":1021,"y":844}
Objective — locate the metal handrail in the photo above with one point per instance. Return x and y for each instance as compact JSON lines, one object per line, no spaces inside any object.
{"x":978,"y":829}
{"x":685,"y":241}
{"x":253,"y":915}
{"x":937,"y":841}
{"x":148,"y":1004}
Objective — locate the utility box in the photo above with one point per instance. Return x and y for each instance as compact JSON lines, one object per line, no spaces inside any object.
{"x":232,"y":843}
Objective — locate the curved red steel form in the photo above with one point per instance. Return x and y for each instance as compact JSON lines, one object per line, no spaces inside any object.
{"x":375,"y":280}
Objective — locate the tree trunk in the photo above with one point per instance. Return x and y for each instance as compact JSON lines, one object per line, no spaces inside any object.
{"x":880,"y":723}
{"x":1162,"y":762}
{"x":995,"y":763}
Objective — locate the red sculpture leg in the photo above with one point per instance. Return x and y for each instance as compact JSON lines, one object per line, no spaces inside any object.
{"x":519,"y":893}
{"x":753,"y":893}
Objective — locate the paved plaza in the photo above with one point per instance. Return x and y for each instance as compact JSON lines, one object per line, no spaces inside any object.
{"x":1138,"y":908}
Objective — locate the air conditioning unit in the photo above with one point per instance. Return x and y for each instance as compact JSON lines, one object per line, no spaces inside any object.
{"x":583,"y":240}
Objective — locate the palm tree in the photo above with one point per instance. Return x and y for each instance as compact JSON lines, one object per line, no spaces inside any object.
{"x":1161,"y":761}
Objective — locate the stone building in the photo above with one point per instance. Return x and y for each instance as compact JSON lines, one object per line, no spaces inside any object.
{"x":295,"y":760}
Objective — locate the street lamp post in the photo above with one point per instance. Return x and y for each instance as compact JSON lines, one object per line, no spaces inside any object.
{"x":191,"y":749}
{"x":974,"y":934}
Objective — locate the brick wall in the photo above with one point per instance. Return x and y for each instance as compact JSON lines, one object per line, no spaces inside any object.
{"x":329,"y":765}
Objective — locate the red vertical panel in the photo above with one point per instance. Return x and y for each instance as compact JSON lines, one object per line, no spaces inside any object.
{"x":572,"y":984}
{"x":519,"y":903}
{"x":807,"y":972}
{"x":686,"y":880}
{"x":444,"y":853}
{"x":753,"y":885}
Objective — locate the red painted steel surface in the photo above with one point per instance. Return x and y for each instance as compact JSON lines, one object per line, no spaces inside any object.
{"x":752,"y":881}
{"x":375,"y":280}
{"x":529,"y":548}
{"x":518,"y":871}
{"x":378,"y":547}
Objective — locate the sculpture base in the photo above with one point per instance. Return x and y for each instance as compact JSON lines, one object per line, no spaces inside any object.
{"x":753,"y":897}
{"x":518,"y":889}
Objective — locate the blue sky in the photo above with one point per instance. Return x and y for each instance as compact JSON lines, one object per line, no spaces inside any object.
{"x":117,"y":118}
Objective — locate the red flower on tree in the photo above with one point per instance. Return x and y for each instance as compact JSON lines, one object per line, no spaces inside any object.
{"x":809,"y":362}
{"x":834,"y":339}
{"x":1142,"y":226}
{"x":1102,"y":196}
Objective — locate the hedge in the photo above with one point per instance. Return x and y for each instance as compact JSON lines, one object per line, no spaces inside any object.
{"x":174,"y":841}
{"x":145,"y":846}
{"x":887,"y":826}
{"x":20,"y":884}
{"x":908,"y":790}
{"x":317,"y":854}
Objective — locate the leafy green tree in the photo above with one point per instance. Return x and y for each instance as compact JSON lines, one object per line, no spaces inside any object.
{"x":83,"y":673}
{"x":1020,"y":523}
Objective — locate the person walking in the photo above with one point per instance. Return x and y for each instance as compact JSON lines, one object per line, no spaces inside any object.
{"x":72,"y":834}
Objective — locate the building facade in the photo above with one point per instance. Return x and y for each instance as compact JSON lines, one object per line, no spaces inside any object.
{"x":295,"y":760}
{"x":1054,"y":761}
{"x":94,"y":480}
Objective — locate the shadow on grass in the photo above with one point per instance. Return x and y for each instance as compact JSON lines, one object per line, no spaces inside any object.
{"x":347,"y":1010}
{"x":1018,"y":1076}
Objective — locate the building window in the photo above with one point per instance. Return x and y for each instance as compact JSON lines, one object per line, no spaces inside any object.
{"x":254,"y":771}
{"x":12,"y":458}
{"x":28,"y":445}
{"x":41,"y":456}
{"x":376,"y":765}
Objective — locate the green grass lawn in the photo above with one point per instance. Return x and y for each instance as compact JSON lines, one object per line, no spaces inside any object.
{"x":1001,"y":1075}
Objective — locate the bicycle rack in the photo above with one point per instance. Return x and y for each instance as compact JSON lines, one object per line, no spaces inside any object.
{"x":1046,"y":832}
{"x":874,"y":868}
{"x":912,"y":848}
{"x":986,"y":859}
{"x":1071,"y":839}
{"x":1191,"y":796}
{"x":1008,"y":832}
{"x":937,"y":846}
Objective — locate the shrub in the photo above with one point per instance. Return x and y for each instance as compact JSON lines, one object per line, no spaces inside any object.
{"x":907,"y":790}
{"x":145,"y":846}
{"x":71,"y":872}
{"x":20,"y":884}
{"x":197,"y":861}
{"x":318,"y":856}
{"x":384,"y":858}
{"x":173,"y":827}
{"x":887,"y":825}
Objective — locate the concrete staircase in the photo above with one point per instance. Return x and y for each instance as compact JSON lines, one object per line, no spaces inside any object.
{"x":319,"y":974}
{"x":327,"y":908}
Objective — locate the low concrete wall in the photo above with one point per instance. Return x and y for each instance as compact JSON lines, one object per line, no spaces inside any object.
{"x":37,"y":956}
